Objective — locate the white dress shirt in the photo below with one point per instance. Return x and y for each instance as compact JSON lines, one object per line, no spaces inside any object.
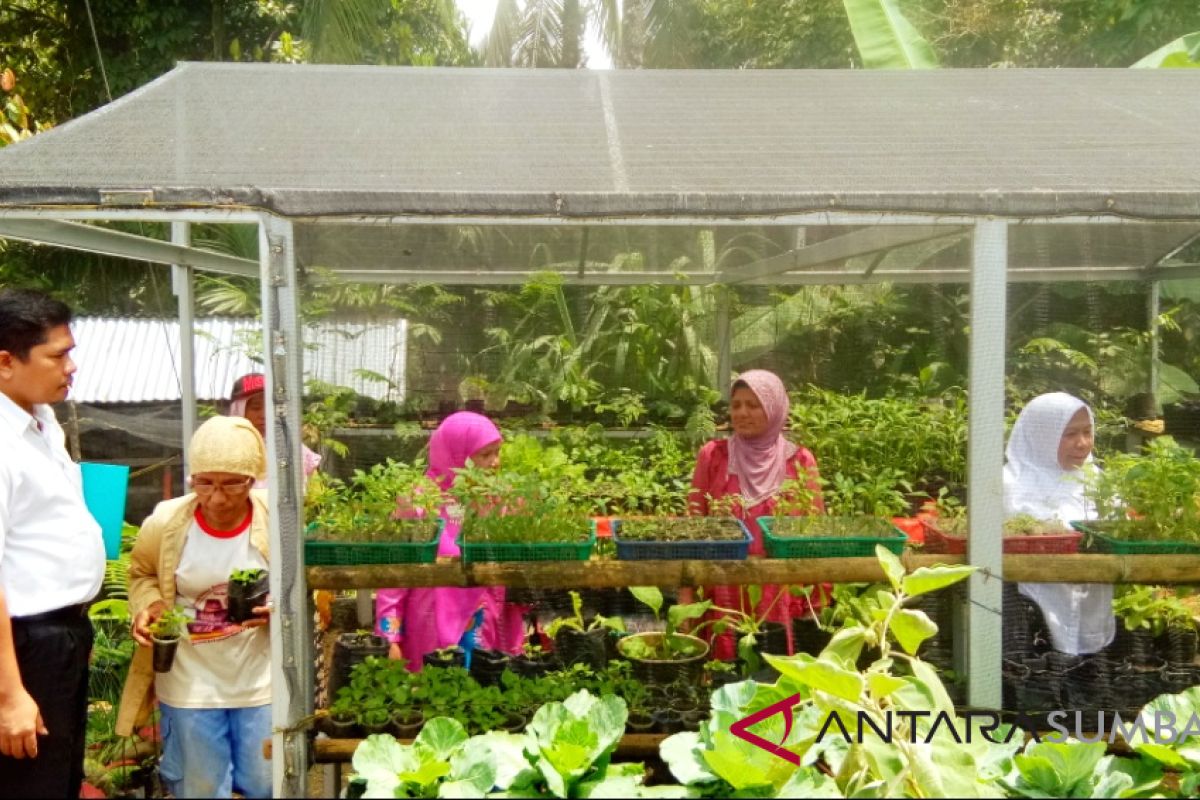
{"x":51,"y":548}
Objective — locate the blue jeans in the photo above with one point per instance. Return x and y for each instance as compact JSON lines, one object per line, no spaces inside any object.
{"x":210,"y":752}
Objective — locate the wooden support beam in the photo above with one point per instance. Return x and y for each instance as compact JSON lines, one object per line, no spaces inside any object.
{"x":632,"y":745}
{"x":1082,"y":568}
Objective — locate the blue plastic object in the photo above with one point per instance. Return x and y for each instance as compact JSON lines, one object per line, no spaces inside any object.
{"x":467,"y":642}
{"x":104,"y":490}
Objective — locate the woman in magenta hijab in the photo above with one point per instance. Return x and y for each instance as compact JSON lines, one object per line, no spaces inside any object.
{"x":749,"y":467}
{"x":419,"y":621}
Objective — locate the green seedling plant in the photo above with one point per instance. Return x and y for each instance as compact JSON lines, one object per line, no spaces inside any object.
{"x":852,"y":507}
{"x":246,"y":576}
{"x":171,"y":625}
{"x":681,"y":529}
{"x":1150,"y":609}
{"x":671,"y":645}
{"x":390,"y":502}
{"x":1150,"y":496}
{"x":578,"y":623}
{"x":510,"y":508}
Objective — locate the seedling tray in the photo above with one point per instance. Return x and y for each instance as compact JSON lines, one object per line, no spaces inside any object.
{"x":732,"y":550}
{"x":829,"y":546}
{"x":936,"y":541}
{"x":580,"y":550}
{"x":1098,"y":542}
{"x":321,"y":553}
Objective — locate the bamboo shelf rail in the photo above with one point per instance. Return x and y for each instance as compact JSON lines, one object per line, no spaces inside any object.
{"x":595,"y":574}
{"x":325,"y":751}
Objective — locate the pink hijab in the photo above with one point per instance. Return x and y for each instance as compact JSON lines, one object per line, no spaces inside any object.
{"x":760,"y":463}
{"x":460,"y":436}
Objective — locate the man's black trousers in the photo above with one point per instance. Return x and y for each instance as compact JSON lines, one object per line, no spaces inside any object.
{"x":52,"y":655}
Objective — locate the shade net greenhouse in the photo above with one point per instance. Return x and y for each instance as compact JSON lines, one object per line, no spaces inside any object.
{"x":916,"y":254}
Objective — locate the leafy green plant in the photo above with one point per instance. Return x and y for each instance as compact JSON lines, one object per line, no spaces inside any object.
{"x":670,"y":645}
{"x":171,"y":624}
{"x":577,"y":622}
{"x":509,"y":508}
{"x":1151,"y":496}
{"x":390,"y":502}
{"x":246,"y":576}
{"x":1149,"y":608}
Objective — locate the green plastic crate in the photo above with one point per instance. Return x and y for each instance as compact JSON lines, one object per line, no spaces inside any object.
{"x":581,"y":550}
{"x":828,"y":546}
{"x":1095,"y":541}
{"x":318,"y":553}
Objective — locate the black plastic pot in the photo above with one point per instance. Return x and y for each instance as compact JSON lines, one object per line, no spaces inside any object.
{"x":514,"y":723}
{"x":808,"y":636}
{"x":1136,"y":647}
{"x":639,"y":722}
{"x":1180,"y":645}
{"x":488,"y":665}
{"x":582,"y":647}
{"x":723,"y":678}
{"x":245,"y":597}
{"x":446,"y":657}
{"x":343,"y":614}
{"x":370,"y":728}
{"x":664,"y":672}
{"x":534,"y":666}
{"x":692,"y":720}
{"x":1060,"y":662}
{"x":350,"y":650}
{"x":342,"y":727}
{"x":406,"y":724}
{"x":1180,"y":678}
{"x":668,"y":720}
{"x":163,"y":654}
{"x":1042,"y":691}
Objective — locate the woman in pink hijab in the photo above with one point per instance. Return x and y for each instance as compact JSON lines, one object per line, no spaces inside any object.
{"x":749,"y":467}
{"x":419,"y":621}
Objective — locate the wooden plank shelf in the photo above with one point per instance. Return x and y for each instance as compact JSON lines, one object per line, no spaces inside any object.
{"x":598,"y":573}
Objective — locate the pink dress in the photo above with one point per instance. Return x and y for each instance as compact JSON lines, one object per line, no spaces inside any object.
{"x":424,"y":620}
{"x":712,"y":478}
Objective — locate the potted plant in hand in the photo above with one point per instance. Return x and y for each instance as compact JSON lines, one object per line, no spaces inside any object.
{"x":247,"y":591}
{"x":165,"y":633}
{"x":581,"y":642}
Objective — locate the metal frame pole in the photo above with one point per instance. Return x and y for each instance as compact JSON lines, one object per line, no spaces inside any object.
{"x":985,"y":460}
{"x":183,"y":284}
{"x":1153,"y":309}
{"x":291,"y":656}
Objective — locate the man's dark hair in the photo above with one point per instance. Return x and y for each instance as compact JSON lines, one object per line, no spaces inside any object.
{"x":26,"y":316}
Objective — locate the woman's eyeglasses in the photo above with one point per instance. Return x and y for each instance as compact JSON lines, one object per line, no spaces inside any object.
{"x":230,"y":488}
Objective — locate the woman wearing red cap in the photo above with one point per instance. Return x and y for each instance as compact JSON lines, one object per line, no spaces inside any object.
{"x":249,"y":400}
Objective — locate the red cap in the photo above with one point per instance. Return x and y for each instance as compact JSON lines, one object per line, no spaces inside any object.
{"x":250,"y":384}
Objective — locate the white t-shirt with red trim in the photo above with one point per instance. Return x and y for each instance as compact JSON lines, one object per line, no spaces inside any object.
{"x":221,"y":664}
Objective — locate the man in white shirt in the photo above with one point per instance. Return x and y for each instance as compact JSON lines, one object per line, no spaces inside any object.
{"x":51,"y":557}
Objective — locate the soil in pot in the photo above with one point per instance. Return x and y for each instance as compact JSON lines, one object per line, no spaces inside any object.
{"x":582,"y":647}
{"x":245,"y":597}
{"x":376,"y":723}
{"x":406,"y":723}
{"x":163,"y":654}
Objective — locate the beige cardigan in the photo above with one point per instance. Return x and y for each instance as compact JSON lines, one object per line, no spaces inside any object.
{"x":152,"y":567}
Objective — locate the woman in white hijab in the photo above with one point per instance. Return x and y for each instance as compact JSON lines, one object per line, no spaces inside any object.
{"x":1043,"y":477}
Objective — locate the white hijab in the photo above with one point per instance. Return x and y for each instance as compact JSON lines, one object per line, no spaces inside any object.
{"x":1079,"y":615}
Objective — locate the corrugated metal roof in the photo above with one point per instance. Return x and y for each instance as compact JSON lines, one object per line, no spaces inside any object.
{"x":127,"y":360}
{"x":1017,"y":142}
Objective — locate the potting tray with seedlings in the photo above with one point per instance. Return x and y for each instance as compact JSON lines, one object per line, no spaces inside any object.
{"x":825,"y":536}
{"x":534,"y":522}
{"x":667,"y":538}
{"x":387,"y":515}
{"x":1022,"y":534}
{"x":1145,"y":503}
